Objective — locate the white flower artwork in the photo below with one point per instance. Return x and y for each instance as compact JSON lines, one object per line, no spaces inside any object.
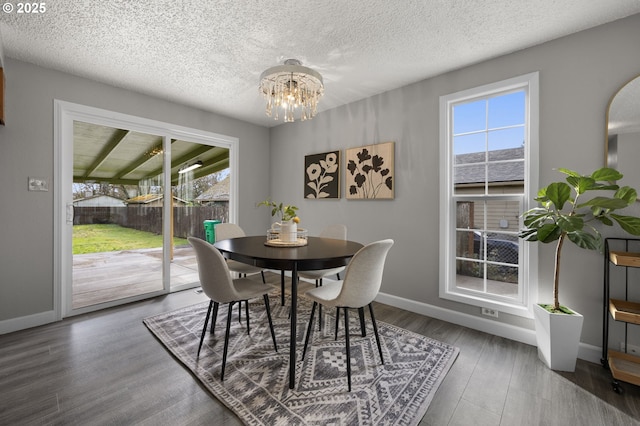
{"x":322,"y":175}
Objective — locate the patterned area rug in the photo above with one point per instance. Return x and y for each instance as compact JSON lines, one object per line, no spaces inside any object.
{"x":256,"y":385}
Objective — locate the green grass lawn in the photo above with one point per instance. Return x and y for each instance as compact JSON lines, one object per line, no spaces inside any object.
{"x":102,"y":238}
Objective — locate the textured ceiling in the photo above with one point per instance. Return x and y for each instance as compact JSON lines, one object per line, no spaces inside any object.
{"x":210,"y":54}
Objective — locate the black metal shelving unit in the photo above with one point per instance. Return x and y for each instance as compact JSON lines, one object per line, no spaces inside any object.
{"x":623,"y":365}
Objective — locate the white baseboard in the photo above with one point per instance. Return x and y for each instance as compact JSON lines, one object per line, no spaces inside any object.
{"x":21,"y":323}
{"x":586,"y":352}
{"x":590,"y":353}
{"x":477,"y":323}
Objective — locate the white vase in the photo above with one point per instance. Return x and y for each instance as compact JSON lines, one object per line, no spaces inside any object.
{"x":558,"y":338}
{"x":288,"y":231}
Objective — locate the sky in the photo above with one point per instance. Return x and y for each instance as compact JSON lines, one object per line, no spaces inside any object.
{"x":496,"y":123}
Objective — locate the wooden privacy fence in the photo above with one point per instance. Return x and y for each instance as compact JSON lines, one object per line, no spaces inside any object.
{"x":187,"y":220}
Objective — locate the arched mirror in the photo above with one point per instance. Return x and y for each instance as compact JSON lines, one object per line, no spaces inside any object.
{"x":622,"y":145}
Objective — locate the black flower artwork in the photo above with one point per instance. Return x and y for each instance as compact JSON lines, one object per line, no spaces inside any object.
{"x":369,"y":176}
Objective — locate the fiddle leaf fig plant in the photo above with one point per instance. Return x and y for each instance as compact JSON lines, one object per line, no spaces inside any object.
{"x":563,"y":214}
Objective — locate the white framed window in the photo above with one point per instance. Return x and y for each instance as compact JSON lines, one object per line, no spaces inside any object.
{"x":488,"y":178}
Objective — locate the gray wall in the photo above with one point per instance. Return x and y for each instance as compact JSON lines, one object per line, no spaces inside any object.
{"x":628,"y":155}
{"x":578,"y":75}
{"x":26,"y":149}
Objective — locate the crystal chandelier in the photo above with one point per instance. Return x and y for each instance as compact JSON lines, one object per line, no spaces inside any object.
{"x":291,"y":87}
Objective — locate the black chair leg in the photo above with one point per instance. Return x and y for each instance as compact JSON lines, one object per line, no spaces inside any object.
{"x":263,"y":280}
{"x":309,"y":329}
{"x":319,"y":282}
{"x":204,"y":329}
{"x":375,"y":331}
{"x":346,"y":338}
{"x":246,"y":302}
{"x":246,"y":309}
{"x":268,"y":308}
{"x":215,"y":317}
{"x":363,"y":328}
{"x":337,"y":317}
{"x":226,"y":342}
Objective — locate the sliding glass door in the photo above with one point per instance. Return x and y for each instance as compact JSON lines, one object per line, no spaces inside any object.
{"x":200,"y":186}
{"x":118,"y":195}
{"x":129,"y":193}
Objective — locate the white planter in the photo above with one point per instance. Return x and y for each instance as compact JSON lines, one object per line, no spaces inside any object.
{"x":288,"y":231}
{"x":558,"y":338}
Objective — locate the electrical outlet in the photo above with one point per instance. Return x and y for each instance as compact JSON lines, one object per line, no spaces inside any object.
{"x":631,"y":349}
{"x":490,"y":312}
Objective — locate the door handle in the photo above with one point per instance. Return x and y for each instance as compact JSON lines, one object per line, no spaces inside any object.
{"x":70,"y":213}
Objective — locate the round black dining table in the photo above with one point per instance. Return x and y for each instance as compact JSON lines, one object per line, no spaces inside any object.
{"x":319,"y":253}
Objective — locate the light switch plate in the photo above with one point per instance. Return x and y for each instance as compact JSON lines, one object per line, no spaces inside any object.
{"x":38,"y":184}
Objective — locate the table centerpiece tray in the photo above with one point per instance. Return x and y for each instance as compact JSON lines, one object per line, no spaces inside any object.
{"x":300,"y":242}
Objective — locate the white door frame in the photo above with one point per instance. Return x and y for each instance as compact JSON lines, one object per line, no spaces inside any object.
{"x":65,"y":113}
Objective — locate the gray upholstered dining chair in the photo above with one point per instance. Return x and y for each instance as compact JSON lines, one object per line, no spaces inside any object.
{"x":361,"y":284}
{"x":217,"y":284}
{"x":338,"y":232}
{"x":224,"y":231}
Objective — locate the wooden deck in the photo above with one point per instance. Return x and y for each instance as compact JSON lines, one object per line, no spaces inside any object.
{"x":109,"y":276}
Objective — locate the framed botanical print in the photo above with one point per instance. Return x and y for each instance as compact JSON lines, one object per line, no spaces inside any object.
{"x":322,"y":175}
{"x":370,"y":172}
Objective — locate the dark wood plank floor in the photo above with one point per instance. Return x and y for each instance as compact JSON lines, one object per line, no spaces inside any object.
{"x":106,"y":368}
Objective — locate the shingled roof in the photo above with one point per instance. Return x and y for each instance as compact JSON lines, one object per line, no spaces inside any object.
{"x":151,"y":198}
{"x":502,"y":168}
{"x":218,"y":192}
